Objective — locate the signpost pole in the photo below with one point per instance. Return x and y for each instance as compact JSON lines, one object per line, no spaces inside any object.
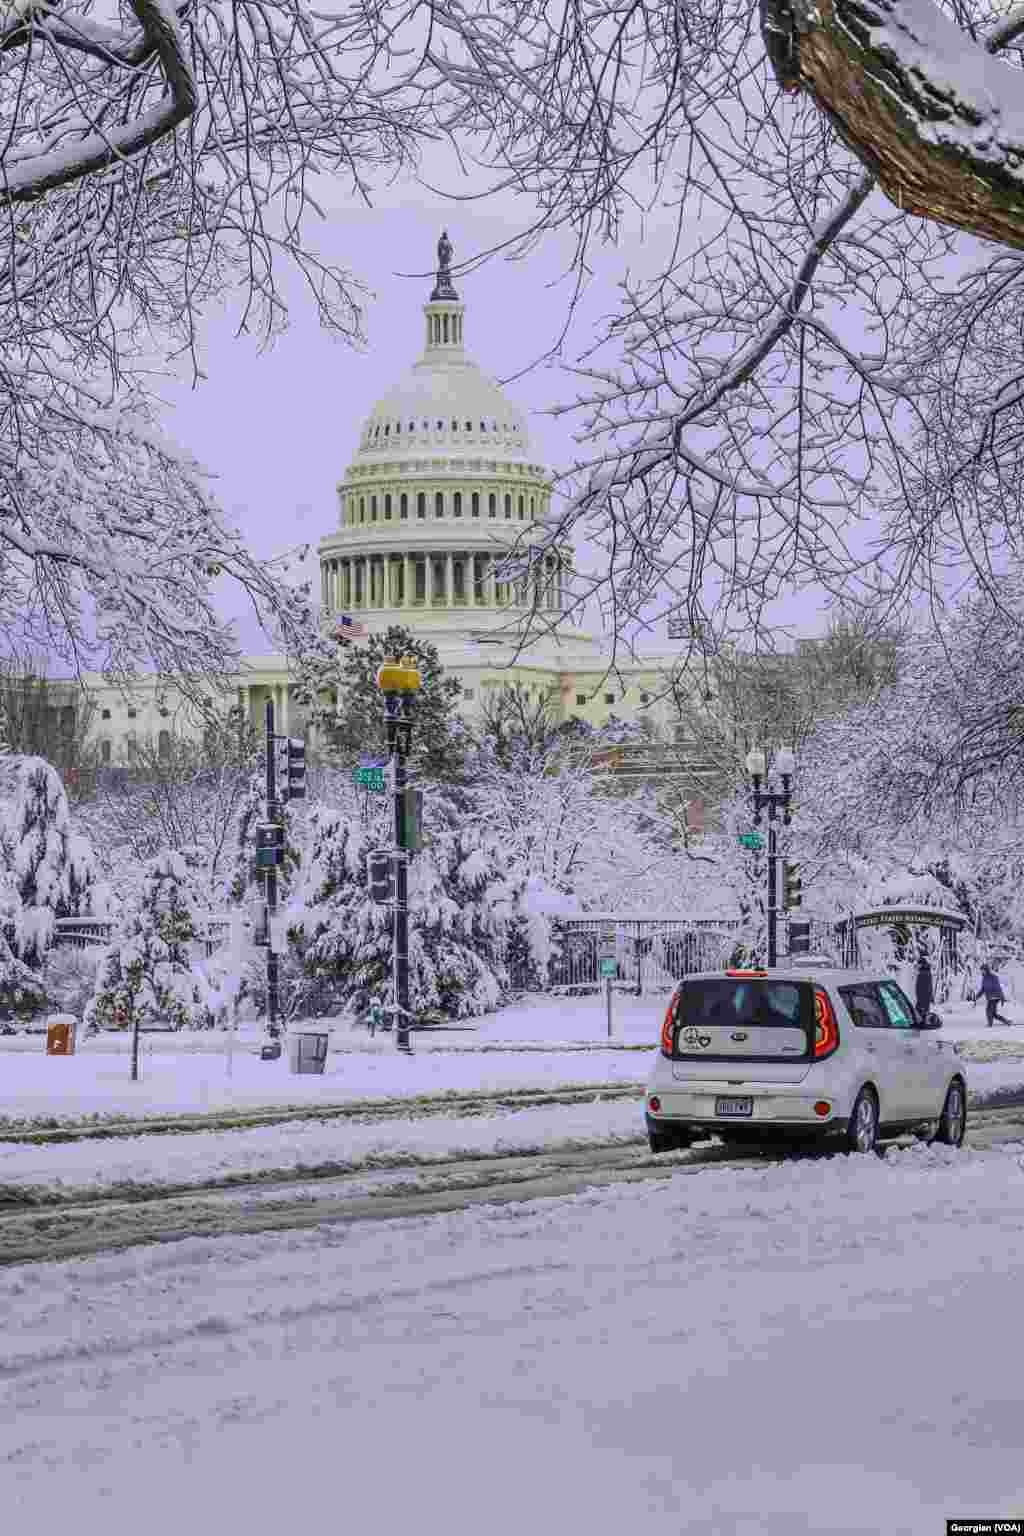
{"x":271,"y":886}
{"x":608,"y":1003}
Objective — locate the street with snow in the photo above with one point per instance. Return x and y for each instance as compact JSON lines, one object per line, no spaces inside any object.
{"x":805,"y":1343}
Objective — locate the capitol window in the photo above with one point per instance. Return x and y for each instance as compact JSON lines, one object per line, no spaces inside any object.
{"x":421,"y":504}
{"x":475,"y":503}
{"x":387,"y":509}
{"x":455,"y":425}
{"x":403,"y":506}
{"x":581,"y":698}
{"x":438,"y":504}
{"x":373,"y":509}
{"x":457,"y":504}
{"x":492,"y":505}
{"x":508,"y":508}
{"x":522,"y":509}
{"x":467,"y":693}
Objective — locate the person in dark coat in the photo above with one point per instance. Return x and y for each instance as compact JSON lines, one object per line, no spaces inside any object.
{"x":992,"y":992}
{"x":925,"y":987}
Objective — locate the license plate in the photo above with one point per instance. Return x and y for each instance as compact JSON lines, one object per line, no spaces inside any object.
{"x":734,"y":1106}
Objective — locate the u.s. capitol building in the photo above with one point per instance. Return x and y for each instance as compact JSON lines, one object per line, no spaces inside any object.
{"x":442,"y":489}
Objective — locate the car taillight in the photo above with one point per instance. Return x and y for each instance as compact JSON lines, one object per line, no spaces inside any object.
{"x":667,"y":1028}
{"x":826,"y":1030}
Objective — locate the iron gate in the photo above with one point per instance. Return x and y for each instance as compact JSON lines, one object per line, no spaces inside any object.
{"x":651,"y":953}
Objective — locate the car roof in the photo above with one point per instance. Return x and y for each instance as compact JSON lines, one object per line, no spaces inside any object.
{"x":822,"y":975}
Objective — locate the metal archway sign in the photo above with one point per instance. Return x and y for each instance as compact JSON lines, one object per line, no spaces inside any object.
{"x":908,"y":917}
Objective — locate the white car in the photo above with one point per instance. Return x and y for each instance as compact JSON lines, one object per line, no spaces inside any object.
{"x":755,"y":1055}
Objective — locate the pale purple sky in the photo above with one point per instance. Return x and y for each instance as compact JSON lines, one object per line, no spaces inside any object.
{"x":278,"y":429}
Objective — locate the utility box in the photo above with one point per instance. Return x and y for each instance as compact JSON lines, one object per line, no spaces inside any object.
{"x":269,"y":846}
{"x":307,"y":1050}
{"x":61,"y":1029}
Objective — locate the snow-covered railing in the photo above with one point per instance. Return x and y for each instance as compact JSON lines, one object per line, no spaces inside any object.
{"x":79,"y":932}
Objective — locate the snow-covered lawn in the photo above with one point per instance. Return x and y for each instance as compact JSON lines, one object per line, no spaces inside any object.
{"x":823,"y":1346}
{"x":540,"y":1042}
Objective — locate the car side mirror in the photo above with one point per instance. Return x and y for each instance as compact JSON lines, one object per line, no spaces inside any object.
{"x":932,"y":1021}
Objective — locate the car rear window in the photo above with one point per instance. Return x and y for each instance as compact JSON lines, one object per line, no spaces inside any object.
{"x":750,"y":1017}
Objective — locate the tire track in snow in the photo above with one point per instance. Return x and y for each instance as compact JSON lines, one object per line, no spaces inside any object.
{"x":301,"y":1200}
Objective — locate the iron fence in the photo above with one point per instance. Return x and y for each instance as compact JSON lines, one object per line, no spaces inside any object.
{"x":650,"y":953}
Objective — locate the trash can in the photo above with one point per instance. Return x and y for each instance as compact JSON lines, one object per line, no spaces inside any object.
{"x":60,"y":1034}
{"x":307,"y":1050}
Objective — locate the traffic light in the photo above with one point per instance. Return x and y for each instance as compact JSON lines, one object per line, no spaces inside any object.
{"x":269,"y":845}
{"x":381,"y":877}
{"x":792,"y":886}
{"x":290,"y":767}
{"x":410,"y":820}
{"x":800,"y":938}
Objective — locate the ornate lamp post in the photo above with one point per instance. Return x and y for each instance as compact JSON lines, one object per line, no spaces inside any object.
{"x":772,"y":800}
{"x":399,"y":682}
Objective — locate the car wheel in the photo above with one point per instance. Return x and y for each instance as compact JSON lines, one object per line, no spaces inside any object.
{"x":671,"y":1139}
{"x":953,"y":1121}
{"x":862,"y":1131}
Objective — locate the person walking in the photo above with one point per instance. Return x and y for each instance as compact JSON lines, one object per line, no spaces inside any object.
{"x":925,"y":988}
{"x":992,"y":992}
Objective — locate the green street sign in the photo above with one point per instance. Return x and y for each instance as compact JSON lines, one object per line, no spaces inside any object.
{"x":609,"y":967}
{"x":751,"y":840}
{"x":369,"y":778}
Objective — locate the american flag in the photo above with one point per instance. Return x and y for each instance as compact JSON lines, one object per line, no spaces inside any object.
{"x":349,"y":629}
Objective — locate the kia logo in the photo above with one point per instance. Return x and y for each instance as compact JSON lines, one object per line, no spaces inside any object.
{"x":738,"y":1036}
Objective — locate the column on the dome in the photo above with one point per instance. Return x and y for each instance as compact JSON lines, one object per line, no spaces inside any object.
{"x":492,"y":584}
{"x":470,"y":578}
{"x":428,"y":582}
{"x":407,"y":592}
{"x":449,"y":579}
{"x":334,"y":586}
{"x":366,"y":581}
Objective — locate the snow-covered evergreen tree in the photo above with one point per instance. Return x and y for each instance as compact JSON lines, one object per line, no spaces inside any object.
{"x":21,"y":990}
{"x":50,"y":864}
{"x":147,"y":971}
{"x":466,"y":903}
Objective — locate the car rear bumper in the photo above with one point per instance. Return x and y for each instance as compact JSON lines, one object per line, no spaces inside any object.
{"x":779,"y":1111}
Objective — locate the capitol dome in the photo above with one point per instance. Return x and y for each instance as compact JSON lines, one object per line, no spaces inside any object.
{"x":443,"y":505}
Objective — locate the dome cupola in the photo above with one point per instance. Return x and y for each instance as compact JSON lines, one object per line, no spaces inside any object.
{"x":441,"y":492}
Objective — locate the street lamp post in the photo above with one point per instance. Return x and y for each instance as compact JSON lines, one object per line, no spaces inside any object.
{"x":399,"y":682}
{"x":772,"y":800}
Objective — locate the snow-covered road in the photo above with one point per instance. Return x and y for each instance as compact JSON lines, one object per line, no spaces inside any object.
{"x":826,"y":1346}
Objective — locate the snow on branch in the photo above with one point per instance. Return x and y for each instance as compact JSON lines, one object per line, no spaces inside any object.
{"x":84,"y":144}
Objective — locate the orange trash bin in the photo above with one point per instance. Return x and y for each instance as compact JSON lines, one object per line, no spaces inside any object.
{"x":60,"y":1034}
